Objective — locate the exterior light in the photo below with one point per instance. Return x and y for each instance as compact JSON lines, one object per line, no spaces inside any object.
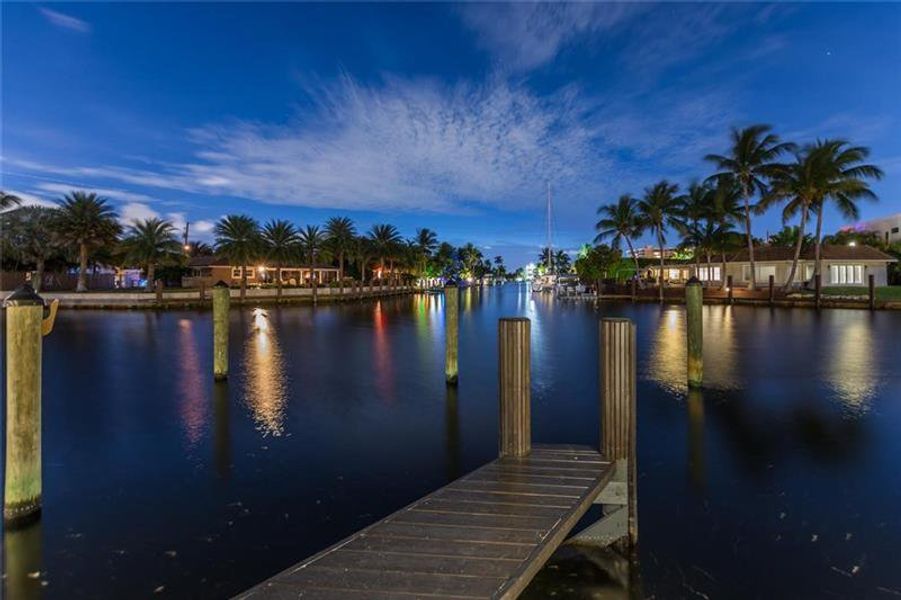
{"x":261,"y":269}
{"x":187,"y":247}
{"x":852,"y":243}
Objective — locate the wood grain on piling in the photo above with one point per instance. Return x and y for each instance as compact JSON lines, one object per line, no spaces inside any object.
{"x":483,"y":536}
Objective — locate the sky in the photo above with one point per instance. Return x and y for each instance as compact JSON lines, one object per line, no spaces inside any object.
{"x":453,"y":117}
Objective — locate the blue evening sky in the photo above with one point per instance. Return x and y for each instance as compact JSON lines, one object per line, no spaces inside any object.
{"x":451,"y":117}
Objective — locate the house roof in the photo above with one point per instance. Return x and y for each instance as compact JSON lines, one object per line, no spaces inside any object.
{"x":827,"y":252}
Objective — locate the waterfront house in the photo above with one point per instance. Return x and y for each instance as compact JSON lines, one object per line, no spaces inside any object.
{"x":841,"y":266}
{"x":887,"y":228}
{"x":208,"y":270}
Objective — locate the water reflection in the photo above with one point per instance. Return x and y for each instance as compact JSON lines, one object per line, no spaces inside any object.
{"x":193,"y":404}
{"x":221,"y":431}
{"x":452,"y":433}
{"x":265,"y":385}
{"x":851,"y":372}
{"x":23,"y":565}
{"x":668,"y":355}
{"x":384,"y":368}
{"x":696,"y":462}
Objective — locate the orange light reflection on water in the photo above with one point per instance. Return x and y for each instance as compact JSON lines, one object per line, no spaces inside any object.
{"x":265,"y":387}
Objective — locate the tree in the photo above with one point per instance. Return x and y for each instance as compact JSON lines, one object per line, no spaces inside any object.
{"x":787,"y":237}
{"x":281,"y":242}
{"x":148,"y":242}
{"x":562,"y":261}
{"x":238,"y":239}
{"x":847,"y":184}
{"x":470,"y":257}
{"x":425,"y":244}
{"x":659,"y":209}
{"x":697,"y":204}
{"x":30,"y":234}
{"x":385,"y":239}
{"x":751,"y":162}
{"x":312,"y":244}
{"x":443,"y":262}
{"x":199,"y":249}
{"x":595,"y":264}
{"x":620,"y":222}
{"x":362,"y":252}
{"x":340,"y":233}
{"x":87,"y":222}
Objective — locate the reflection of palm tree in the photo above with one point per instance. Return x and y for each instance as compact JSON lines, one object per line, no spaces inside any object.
{"x":238,"y":238}
{"x":620,"y":222}
{"x":750,"y":163}
{"x":281,"y":241}
{"x":148,"y":242}
{"x":88,"y":222}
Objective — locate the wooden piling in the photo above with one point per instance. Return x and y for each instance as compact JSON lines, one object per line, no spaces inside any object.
{"x":221,"y":303}
{"x":772,"y":289}
{"x":451,"y":331}
{"x":817,"y":289}
{"x":694,"y":305}
{"x":22,"y":486}
{"x":202,"y":292}
{"x":158,"y":290}
{"x":514,"y":385}
{"x":729,"y":289}
{"x":618,"y":408}
{"x":871,"y":284}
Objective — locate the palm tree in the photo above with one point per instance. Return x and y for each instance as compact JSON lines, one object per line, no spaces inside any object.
{"x":788,"y":236}
{"x":340,"y":233}
{"x":696,"y":206}
{"x":281,"y":241}
{"x":238,"y":238}
{"x":86,"y":221}
{"x":562,"y":261}
{"x":199,"y":249}
{"x":620,"y":222}
{"x":846,"y":184}
{"x":470,"y":257}
{"x":312,"y":244}
{"x":659,"y":209}
{"x":800,"y":186}
{"x":427,"y":240}
{"x":30,"y":234}
{"x":362,"y":251}
{"x":384,"y":240}
{"x":148,"y":242}
{"x":751,"y":163}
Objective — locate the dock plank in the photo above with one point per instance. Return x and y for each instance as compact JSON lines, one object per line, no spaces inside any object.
{"x":482,"y":536}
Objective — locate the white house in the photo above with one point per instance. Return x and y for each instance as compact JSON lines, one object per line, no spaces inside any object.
{"x":841,"y":266}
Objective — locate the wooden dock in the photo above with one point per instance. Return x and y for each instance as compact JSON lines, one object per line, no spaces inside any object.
{"x":488,"y":533}
{"x":483,"y":536}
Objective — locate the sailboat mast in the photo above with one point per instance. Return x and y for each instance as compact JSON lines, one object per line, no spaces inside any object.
{"x":550,"y":247}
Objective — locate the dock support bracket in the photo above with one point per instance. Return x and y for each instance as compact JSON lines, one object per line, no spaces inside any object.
{"x":614,"y":525}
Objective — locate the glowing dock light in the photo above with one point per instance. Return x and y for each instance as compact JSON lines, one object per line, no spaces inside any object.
{"x":260,"y":319}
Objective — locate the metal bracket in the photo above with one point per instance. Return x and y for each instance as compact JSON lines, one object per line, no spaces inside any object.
{"x":49,"y":320}
{"x":614,"y":525}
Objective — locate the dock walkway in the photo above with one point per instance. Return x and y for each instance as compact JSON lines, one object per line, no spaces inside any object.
{"x":483,"y":536}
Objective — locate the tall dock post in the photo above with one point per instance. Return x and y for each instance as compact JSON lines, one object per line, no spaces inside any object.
{"x":618,"y":412}
{"x":694,"y":305}
{"x":451,"y":331}
{"x":221,"y":302}
{"x":158,"y":291}
{"x":514,"y":384}
{"x":772,"y":288}
{"x":871,"y":284}
{"x":817,"y":289}
{"x":25,"y":326}
{"x":729,"y":288}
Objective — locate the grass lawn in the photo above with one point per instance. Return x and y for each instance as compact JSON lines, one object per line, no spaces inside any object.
{"x":885,"y":293}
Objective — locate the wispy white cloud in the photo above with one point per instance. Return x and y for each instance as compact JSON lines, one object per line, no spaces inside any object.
{"x":529,"y":34}
{"x":65,"y":21}
{"x":115,"y":194}
{"x":419,"y":145}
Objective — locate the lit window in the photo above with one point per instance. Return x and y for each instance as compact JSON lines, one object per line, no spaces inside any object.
{"x":846,"y":274}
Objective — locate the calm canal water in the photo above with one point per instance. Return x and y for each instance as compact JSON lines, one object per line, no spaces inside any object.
{"x":781,"y":480}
